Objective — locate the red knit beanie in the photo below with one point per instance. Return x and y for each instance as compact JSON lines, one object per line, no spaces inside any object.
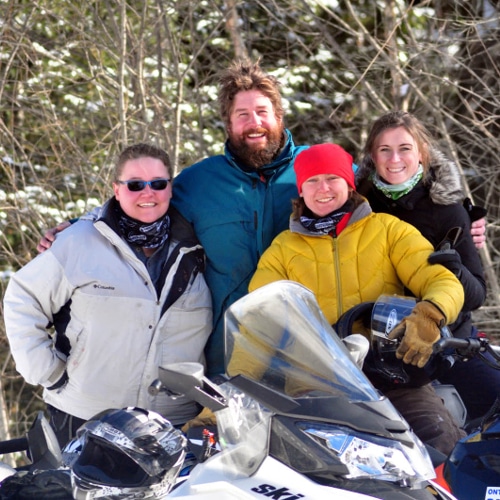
{"x":324,"y":159}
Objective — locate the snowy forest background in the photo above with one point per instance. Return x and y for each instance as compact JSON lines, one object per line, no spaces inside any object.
{"x":79,"y":80}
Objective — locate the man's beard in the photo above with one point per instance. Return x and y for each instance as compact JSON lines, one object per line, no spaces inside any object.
{"x":257,"y":156}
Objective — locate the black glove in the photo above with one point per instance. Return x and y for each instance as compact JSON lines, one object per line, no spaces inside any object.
{"x":449,"y":259}
{"x":475,"y":212}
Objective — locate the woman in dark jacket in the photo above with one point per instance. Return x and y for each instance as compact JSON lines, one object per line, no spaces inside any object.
{"x":403,"y":174}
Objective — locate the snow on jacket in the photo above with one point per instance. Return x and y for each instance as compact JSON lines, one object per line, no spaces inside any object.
{"x":236,"y":212}
{"x":101,"y":296}
{"x":375,"y":254}
{"x":434,"y":206}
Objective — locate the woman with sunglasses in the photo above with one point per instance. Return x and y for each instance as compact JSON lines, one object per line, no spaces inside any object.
{"x":91,"y":319}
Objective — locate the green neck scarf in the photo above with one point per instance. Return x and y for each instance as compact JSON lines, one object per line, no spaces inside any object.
{"x":396,"y":191}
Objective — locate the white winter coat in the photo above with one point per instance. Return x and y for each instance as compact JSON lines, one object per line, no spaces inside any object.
{"x":109,"y":311}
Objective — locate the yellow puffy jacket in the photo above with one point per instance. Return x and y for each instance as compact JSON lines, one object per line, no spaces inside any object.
{"x":375,"y":254}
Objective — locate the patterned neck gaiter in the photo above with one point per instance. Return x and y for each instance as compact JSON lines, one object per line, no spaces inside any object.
{"x":327,"y":223}
{"x":144,"y":234}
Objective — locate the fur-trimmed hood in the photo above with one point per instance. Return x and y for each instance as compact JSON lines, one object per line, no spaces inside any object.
{"x":442,"y":178}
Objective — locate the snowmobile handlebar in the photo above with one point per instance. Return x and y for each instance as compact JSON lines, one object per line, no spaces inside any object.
{"x":13,"y":445}
{"x":469,"y":348}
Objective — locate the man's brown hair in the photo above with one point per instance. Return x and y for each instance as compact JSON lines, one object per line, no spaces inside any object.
{"x":245,"y":75}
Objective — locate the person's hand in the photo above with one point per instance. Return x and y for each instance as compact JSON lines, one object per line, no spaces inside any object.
{"x":420,"y":330}
{"x":478,"y":232}
{"x":205,"y":418}
{"x":448,"y":258}
{"x":50,"y":235}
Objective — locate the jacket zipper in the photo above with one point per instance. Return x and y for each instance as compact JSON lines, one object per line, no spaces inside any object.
{"x":336,"y":263}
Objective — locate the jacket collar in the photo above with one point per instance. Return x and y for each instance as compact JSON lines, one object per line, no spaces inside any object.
{"x":360,"y":212}
{"x":180,"y":228}
{"x":444,"y":180}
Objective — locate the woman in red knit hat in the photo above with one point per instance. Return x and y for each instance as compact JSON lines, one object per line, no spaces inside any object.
{"x":346,"y":254}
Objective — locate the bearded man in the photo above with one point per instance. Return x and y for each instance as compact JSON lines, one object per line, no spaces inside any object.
{"x":239,"y":201}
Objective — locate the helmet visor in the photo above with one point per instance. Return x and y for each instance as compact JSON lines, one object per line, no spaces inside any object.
{"x":103,"y":464}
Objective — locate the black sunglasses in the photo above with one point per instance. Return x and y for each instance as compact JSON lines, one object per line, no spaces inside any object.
{"x":157,"y":184}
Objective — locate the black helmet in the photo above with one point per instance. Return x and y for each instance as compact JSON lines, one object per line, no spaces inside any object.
{"x":127,"y":453}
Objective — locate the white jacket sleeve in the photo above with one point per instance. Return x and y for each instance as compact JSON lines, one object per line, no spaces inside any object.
{"x":34,"y":294}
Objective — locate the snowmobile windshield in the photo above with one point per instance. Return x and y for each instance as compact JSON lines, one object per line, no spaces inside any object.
{"x":278,"y":336}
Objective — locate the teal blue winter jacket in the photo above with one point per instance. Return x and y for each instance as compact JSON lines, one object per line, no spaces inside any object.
{"x":236,"y":213}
